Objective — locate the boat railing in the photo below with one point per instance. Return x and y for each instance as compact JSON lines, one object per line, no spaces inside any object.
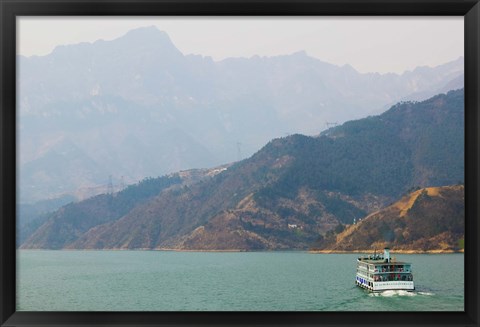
{"x":386,"y":269}
{"x":392,"y":277}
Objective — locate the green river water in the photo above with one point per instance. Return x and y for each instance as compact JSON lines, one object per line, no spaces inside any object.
{"x":231,"y":281}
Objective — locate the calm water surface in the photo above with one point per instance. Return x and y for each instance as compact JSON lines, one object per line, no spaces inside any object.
{"x":263,"y":281}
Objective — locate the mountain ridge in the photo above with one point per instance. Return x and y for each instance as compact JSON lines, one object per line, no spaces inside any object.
{"x":295,"y":189}
{"x":229,"y":108}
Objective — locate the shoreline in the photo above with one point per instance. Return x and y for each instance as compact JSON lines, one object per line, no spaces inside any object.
{"x":187,"y":250}
{"x":438,"y":251}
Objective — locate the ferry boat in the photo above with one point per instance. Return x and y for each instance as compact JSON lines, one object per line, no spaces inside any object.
{"x":378,"y":273}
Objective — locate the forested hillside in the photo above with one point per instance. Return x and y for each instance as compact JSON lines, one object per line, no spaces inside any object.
{"x":289,"y":194}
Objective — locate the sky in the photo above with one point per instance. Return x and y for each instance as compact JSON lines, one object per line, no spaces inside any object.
{"x":368,"y":44}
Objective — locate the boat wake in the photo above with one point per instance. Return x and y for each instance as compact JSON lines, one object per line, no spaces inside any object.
{"x":391,"y":293}
{"x":426,"y":293}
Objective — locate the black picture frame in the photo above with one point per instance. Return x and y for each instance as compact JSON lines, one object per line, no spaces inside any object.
{"x":10,"y":9}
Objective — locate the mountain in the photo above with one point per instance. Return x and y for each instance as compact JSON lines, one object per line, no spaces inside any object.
{"x":103,"y":208}
{"x":429,"y":219}
{"x":288,"y":194}
{"x":437,"y":79}
{"x":62,"y":166}
{"x":32,"y":216}
{"x":137,"y":107}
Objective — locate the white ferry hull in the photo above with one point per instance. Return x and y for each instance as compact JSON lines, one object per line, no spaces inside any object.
{"x":385,"y":286}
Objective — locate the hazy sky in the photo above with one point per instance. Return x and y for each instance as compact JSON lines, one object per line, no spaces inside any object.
{"x":369,"y":44}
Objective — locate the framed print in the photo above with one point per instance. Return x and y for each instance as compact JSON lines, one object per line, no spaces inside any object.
{"x":239,"y":163}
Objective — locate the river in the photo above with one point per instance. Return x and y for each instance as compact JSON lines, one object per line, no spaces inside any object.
{"x":225,"y":281}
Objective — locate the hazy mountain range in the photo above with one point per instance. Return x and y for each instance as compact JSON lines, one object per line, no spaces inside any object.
{"x":294,"y":193}
{"x":137,"y":107}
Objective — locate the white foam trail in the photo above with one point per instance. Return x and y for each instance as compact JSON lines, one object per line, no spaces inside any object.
{"x":406,"y":293}
{"x":390,"y":293}
{"x":426,"y":293}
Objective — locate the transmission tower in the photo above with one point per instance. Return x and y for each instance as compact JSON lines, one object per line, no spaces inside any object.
{"x":331,"y":124}
{"x":110,"y":185}
{"x":122,"y":183}
{"x":239,"y":151}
